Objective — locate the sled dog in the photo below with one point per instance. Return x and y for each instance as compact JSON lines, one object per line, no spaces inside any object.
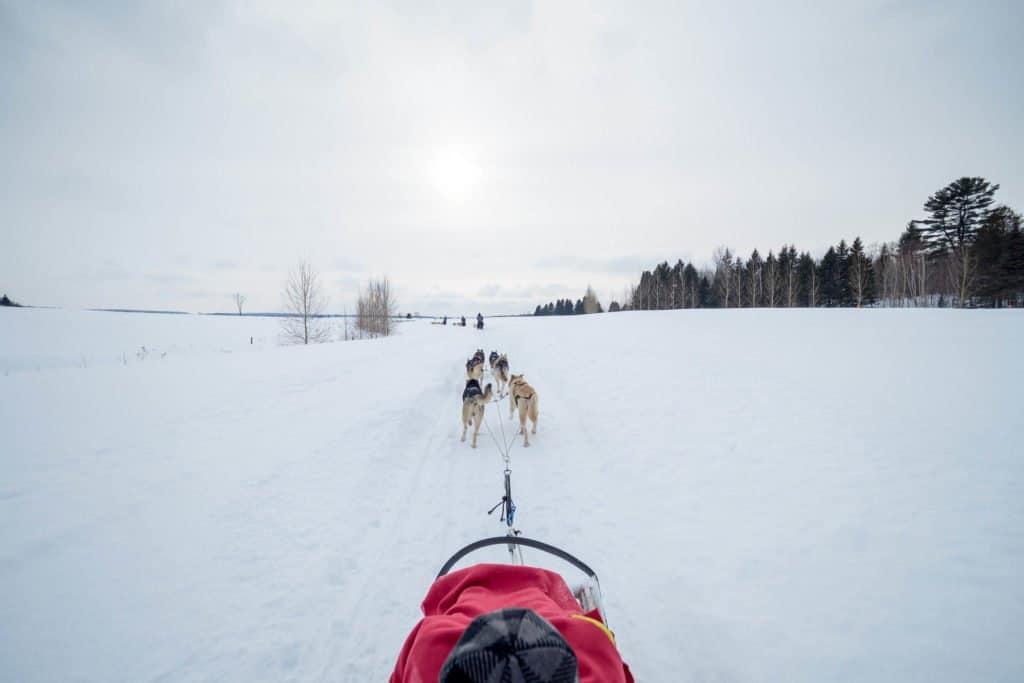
{"x":473,"y":403}
{"x":500,"y":372}
{"x":474,"y":369}
{"x":521,"y":395}
{"x":493,"y":359}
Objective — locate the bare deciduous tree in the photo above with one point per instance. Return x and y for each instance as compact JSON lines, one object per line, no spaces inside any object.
{"x":375,"y":309}
{"x":858,"y":280}
{"x":304,"y":303}
{"x":239,"y":301}
{"x":590,"y":301}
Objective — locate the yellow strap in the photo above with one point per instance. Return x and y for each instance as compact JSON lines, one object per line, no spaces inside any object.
{"x":597,"y":623}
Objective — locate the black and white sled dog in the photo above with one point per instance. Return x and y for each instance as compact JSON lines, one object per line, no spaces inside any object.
{"x":473,"y":403}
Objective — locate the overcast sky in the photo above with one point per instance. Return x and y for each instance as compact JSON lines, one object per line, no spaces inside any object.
{"x":167,"y":156}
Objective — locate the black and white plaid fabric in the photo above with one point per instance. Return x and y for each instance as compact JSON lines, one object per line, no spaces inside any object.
{"x":512,"y":645}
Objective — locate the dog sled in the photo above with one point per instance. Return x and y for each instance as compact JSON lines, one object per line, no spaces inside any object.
{"x":512,"y":622}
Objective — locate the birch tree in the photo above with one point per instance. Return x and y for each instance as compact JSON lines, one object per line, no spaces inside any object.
{"x":304,"y":303}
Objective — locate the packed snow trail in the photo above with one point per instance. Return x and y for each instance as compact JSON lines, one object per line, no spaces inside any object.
{"x":767,"y":495}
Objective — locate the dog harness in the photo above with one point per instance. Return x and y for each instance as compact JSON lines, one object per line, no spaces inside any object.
{"x":503,"y":364}
{"x":472,"y":389}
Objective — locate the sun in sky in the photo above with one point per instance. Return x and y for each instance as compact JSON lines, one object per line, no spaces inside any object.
{"x":455,"y":172}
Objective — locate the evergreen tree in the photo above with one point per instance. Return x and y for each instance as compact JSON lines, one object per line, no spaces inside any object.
{"x":995,"y":249}
{"x":842,"y":283}
{"x":807,"y":281}
{"x":706,"y":297}
{"x":692,"y":287}
{"x":828,"y":276}
{"x":955,"y":214}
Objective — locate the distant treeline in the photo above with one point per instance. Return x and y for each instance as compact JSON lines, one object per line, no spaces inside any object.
{"x":965,"y":252}
{"x":588,"y":304}
{"x":4,"y":301}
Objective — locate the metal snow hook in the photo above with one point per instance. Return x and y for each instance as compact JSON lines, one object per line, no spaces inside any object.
{"x":508,"y":507}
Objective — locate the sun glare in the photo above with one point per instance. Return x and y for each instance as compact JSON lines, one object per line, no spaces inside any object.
{"x":455,"y":172}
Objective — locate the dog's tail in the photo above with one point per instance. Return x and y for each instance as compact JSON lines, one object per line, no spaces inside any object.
{"x":487,"y":393}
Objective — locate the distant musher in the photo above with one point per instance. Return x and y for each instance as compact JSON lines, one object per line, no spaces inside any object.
{"x":479,"y":321}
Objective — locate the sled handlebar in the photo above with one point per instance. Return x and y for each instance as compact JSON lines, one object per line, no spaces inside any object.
{"x":520,"y":541}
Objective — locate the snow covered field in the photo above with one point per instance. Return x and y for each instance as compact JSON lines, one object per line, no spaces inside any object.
{"x":784,"y":495}
{"x":38,"y":338}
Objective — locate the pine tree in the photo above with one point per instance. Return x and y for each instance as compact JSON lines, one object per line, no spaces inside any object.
{"x":955,"y":214}
{"x":842,"y":283}
{"x":807,"y":279}
{"x":692,"y":281}
{"x":706,"y":297}
{"x":994,"y":250}
{"x":828,"y":276}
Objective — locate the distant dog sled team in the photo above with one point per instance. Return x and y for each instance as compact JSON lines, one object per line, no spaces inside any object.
{"x":521,"y":395}
{"x":462,"y":321}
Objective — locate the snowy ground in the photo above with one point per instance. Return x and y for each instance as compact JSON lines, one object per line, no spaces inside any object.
{"x":767,"y":495}
{"x":38,"y":338}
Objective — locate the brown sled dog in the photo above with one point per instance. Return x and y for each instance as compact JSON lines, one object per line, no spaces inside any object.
{"x":473,"y":403}
{"x":474,"y":369}
{"x":521,"y":395}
